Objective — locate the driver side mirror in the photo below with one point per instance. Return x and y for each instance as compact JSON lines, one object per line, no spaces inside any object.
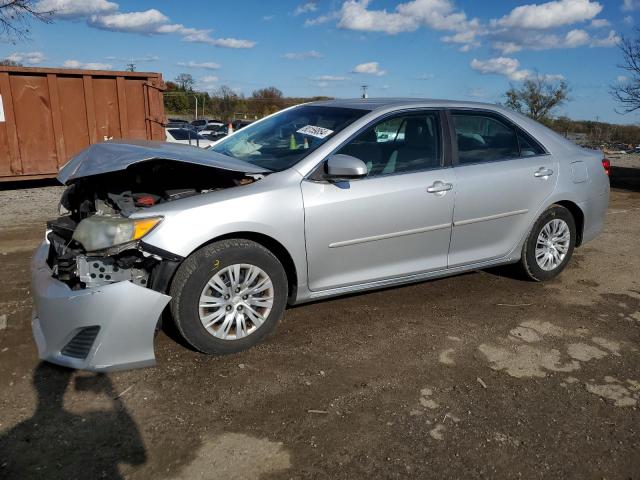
{"x":345,"y":167}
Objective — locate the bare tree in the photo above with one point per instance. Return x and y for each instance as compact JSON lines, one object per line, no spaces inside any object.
{"x":537,"y":97}
{"x":9,"y":63}
{"x":15,"y":17}
{"x":627,"y":91}
{"x":268,"y":100}
{"x":226,"y":100}
{"x":185,"y":82}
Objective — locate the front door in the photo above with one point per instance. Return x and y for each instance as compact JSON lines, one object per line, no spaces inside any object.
{"x":394,"y":222}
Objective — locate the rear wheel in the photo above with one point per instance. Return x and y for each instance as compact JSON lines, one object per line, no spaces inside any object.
{"x":550,"y":244}
{"x":228,"y":296}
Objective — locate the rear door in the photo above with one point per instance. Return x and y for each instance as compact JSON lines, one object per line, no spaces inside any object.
{"x":503,"y":176}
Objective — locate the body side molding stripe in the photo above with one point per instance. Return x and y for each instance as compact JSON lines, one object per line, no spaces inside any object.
{"x":385,"y":236}
{"x":490,"y":217}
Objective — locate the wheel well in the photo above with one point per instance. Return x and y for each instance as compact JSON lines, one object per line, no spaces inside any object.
{"x":274,"y":247}
{"x":578,"y":216}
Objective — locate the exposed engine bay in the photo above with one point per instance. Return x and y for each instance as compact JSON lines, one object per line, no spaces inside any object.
{"x":109,"y":199}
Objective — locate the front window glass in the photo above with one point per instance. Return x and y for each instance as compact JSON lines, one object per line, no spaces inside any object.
{"x":402,"y":144}
{"x":284,"y":139}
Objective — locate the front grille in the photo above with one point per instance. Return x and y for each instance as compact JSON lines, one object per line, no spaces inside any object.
{"x":81,"y":343}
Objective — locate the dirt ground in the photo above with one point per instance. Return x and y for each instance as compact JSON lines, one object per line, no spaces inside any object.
{"x":476,"y":376}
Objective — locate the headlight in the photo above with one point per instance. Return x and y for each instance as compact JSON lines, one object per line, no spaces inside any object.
{"x":100,"y":232}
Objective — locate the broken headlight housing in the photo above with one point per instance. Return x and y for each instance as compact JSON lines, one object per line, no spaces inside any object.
{"x":99,"y":232}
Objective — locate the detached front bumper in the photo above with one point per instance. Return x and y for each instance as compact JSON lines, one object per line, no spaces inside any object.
{"x":102,"y":329}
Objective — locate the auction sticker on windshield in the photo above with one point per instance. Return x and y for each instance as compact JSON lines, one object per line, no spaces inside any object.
{"x":318,"y":132}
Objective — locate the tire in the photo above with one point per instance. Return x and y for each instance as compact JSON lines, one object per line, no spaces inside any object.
{"x":531,"y":266}
{"x":220,"y":261}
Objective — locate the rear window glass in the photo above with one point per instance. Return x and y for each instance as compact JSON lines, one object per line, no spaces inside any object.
{"x":484,"y":139}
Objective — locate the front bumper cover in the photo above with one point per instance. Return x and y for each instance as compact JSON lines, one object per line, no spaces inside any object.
{"x":127,"y":315}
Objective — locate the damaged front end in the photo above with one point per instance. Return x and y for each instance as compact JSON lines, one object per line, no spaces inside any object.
{"x":99,"y":290}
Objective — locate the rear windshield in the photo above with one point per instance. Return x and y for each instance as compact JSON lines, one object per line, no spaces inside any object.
{"x":286,"y":138}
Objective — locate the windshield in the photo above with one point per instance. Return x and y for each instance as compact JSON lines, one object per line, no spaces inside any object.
{"x":284,"y":139}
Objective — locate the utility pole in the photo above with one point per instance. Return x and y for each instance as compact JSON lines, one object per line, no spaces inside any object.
{"x":196,"y":97}
{"x":364,"y":91}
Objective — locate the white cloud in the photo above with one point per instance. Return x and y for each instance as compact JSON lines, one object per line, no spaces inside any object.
{"x":550,"y":15}
{"x":88,"y":65}
{"x":76,"y":8}
{"x":30,"y":58}
{"x":206,"y":65}
{"x":149,"y":21}
{"x":600,"y":23}
{"x":477,"y":93}
{"x":466,"y":38}
{"x":355,"y":16}
{"x":302,"y":55}
{"x":509,"y":67}
{"x":535,"y":40}
{"x":370,"y":68}
{"x":630,"y":5}
{"x":628,"y":20}
{"x":233,"y":43}
{"x":322,"y":19}
{"x":436,"y":14}
{"x":209,"y":79}
{"x":426,"y":76}
{"x":622,"y":79}
{"x":268,"y":18}
{"x":307,"y":7}
{"x":104,"y":15}
{"x":330,"y":78}
{"x":576,"y":38}
{"x":610,"y":40}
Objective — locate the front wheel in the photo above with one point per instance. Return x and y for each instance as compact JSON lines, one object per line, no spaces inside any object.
{"x":550,"y":244}
{"x":227,"y":296}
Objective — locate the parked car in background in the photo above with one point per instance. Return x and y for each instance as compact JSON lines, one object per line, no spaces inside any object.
{"x":203,"y":124}
{"x":215,"y":132}
{"x":323,"y":199}
{"x":177,"y":120}
{"x":238,"y":124}
{"x":188,"y":137}
{"x":180,"y":125}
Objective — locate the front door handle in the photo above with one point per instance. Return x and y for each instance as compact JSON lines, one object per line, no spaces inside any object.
{"x":439,"y":188}
{"x":543,"y":172}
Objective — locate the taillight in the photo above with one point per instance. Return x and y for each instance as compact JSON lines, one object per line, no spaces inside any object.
{"x":606,"y":164}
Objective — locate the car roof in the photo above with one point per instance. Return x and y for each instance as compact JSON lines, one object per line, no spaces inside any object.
{"x":372,"y":104}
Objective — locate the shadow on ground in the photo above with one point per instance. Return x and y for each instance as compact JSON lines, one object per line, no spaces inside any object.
{"x":625,"y":178}
{"x":89,"y":445}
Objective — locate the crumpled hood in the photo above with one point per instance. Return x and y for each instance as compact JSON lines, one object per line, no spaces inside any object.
{"x":117,"y":155}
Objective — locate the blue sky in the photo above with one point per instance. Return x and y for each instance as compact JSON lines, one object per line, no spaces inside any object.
{"x":459,"y":49}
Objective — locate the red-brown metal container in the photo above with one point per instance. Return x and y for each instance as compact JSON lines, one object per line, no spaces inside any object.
{"x":47,"y":115}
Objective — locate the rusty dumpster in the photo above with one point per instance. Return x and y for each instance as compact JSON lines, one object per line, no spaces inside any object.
{"x":47,"y":115}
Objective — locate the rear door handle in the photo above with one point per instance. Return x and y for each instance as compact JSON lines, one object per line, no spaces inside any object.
{"x":543,"y":172}
{"x":439,"y":188}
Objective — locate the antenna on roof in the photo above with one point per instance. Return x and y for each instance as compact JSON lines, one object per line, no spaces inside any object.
{"x":364,"y":91}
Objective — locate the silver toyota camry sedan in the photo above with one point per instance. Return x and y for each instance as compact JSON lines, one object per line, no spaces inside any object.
{"x":318,"y":200}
